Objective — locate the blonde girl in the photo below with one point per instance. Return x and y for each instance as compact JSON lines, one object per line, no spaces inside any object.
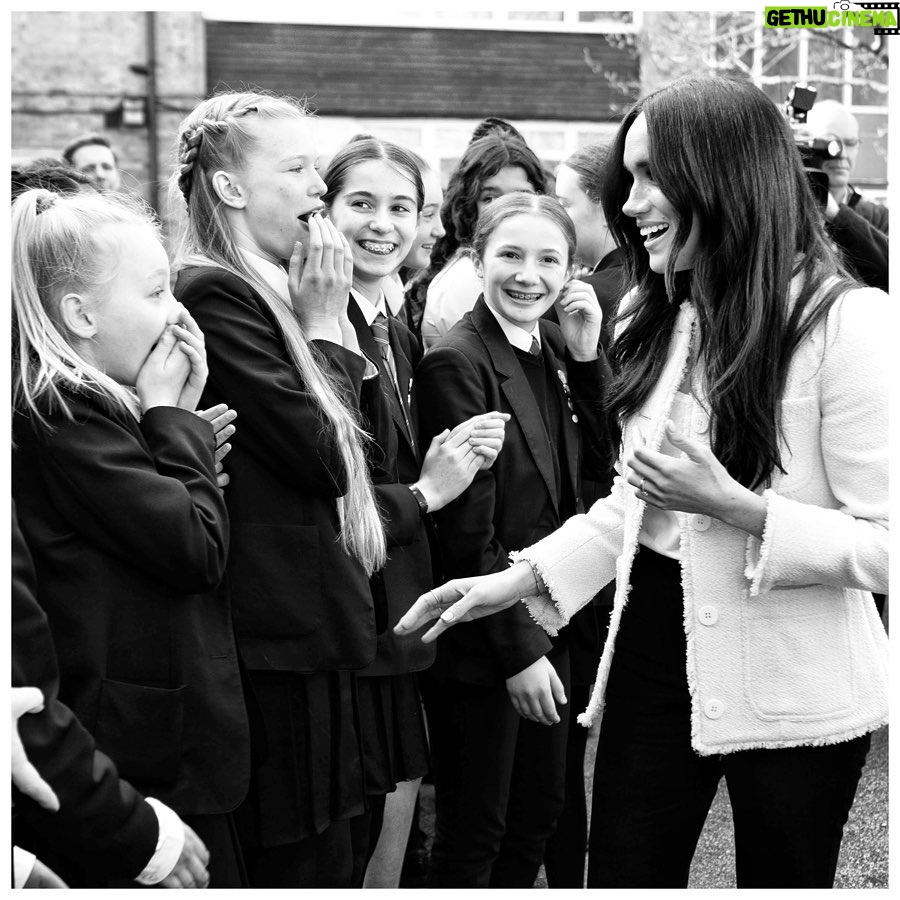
{"x":268,"y":280}
{"x":114,"y":479}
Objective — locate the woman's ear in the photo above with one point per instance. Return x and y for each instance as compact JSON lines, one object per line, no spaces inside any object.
{"x":77,"y":316}
{"x":228,"y":190}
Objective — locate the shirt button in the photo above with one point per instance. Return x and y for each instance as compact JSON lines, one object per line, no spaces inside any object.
{"x":708,"y":615}
{"x":700,"y":523}
{"x":713,"y":709}
{"x":574,"y":418}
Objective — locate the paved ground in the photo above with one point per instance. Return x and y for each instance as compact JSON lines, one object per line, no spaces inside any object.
{"x":863,"y":861}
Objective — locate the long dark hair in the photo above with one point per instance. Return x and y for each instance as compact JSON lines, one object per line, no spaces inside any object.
{"x":720,"y":150}
{"x":483,"y":159}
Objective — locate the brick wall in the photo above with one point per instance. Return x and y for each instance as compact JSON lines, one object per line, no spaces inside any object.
{"x":70,"y":70}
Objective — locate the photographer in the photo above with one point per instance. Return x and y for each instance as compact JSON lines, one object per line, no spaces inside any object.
{"x":858,"y":226}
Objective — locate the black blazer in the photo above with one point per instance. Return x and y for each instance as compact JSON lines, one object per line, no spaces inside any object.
{"x":395,"y":462}
{"x":301,"y":604}
{"x":102,"y":824}
{"x":473,"y":369}
{"x":129,"y":533}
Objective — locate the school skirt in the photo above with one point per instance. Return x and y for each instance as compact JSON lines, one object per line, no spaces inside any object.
{"x":392,"y":727}
{"x":310,"y":772}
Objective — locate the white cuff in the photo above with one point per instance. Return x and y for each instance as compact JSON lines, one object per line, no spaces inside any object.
{"x":169,"y":845}
{"x":23,"y":863}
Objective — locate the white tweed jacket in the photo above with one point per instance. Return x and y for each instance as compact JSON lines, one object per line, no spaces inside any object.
{"x":784,"y":644}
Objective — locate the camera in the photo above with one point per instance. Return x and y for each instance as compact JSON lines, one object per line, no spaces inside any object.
{"x":813,"y":150}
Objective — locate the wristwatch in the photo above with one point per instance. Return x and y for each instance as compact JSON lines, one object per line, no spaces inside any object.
{"x":420,"y":499}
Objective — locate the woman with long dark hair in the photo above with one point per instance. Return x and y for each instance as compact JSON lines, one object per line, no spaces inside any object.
{"x":749,"y":521}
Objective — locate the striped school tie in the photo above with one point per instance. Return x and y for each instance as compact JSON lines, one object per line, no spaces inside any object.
{"x":381,"y":334}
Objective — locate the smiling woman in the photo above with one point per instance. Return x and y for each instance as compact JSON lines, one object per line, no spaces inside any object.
{"x":748,"y":524}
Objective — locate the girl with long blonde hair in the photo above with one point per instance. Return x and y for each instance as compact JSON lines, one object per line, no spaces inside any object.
{"x":115,"y":485}
{"x":268,"y":279}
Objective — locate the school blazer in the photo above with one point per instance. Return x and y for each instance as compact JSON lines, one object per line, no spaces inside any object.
{"x":301,"y":604}
{"x":784,"y":644}
{"x":395,"y":461}
{"x":129,"y":533}
{"x":473,"y":369}
{"x":102,"y":823}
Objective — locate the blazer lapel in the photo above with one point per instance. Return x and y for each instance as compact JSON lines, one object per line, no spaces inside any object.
{"x":518,"y":393}
{"x":369,"y":346}
{"x":404,"y":383}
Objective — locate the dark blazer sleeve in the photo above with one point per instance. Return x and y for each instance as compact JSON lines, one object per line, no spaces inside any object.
{"x":250,"y":370}
{"x":102,"y":821}
{"x":451,"y":389}
{"x":864,"y":246}
{"x":98,"y":471}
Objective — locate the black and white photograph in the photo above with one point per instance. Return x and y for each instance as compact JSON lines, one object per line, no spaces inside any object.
{"x":449,"y":447}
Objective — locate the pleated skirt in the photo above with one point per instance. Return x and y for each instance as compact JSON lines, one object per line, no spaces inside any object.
{"x":392,"y":728}
{"x":311,"y":771}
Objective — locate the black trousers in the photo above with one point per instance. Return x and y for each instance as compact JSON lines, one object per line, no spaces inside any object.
{"x":652,"y":792}
{"x":566,"y":852}
{"x":499,"y":784}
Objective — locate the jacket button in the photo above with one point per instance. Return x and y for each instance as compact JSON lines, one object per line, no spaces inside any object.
{"x":708,"y":615}
{"x":575,"y":418}
{"x":700,"y":523}
{"x":713,"y":709}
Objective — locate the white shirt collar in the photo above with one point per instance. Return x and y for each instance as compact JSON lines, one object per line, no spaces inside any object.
{"x":367,"y":308}
{"x":392,"y":288}
{"x":273,"y":275}
{"x":516,"y":336}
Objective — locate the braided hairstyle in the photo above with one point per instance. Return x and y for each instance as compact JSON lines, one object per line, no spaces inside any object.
{"x":220,"y":134}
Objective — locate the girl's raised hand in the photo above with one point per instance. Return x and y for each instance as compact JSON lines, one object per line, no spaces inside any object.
{"x":319,"y":280}
{"x":193,"y":345}
{"x":164,"y":372}
{"x":454,"y":458}
{"x":220,"y":417}
{"x":486,"y":433}
{"x":175,"y":371}
{"x":580,"y":318}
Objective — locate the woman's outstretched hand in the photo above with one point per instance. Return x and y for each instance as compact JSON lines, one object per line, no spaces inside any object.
{"x":465,"y":599}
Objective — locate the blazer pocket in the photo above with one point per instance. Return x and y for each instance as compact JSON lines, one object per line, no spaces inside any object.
{"x":276,"y":583}
{"x":141,"y":729}
{"x":798,"y":662}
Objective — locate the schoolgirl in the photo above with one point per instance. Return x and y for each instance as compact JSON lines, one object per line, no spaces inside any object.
{"x":430,"y":229}
{"x":268,"y":279}
{"x":374,"y":196}
{"x":114,"y":479}
{"x":498,"y":713}
{"x":492,"y":165}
